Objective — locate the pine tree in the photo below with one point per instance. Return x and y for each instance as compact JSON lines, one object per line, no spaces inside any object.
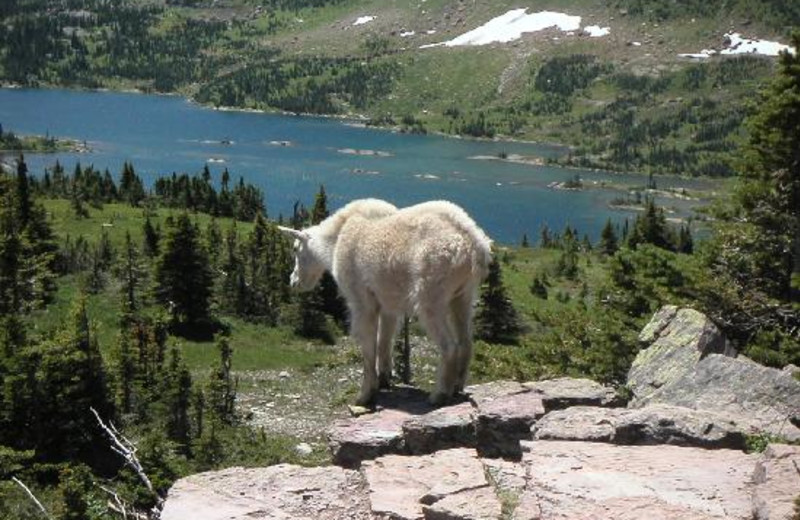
{"x":176,"y":394}
{"x":524,"y":242}
{"x":545,"y":240}
{"x":609,"y":244}
{"x":497,"y":320}
{"x":151,"y":238}
{"x":183,"y":277}
{"x":131,"y":274}
{"x":320,"y":210}
{"x":221,"y":389}
{"x":71,"y":380}
{"x":23,"y":198}
{"x":768,"y":194}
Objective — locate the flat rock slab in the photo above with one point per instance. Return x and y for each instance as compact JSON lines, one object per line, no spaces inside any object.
{"x":471,"y":504}
{"x":585,"y":480}
{"x":282,"y":492}
{"x":777,"y":480}
{"x":486,"y":392}
{"x":445,"y":428}
{"x":655,"y":424}
{"x":400,"y":486}
{"x":557,"y":394}
{"x":504,"y":421}
{"x":367,"y":437}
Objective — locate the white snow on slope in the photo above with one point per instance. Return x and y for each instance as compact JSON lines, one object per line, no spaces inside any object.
{"x":361,"y":20}
{"x":510,"y":26}
{"x":739,"y":45}
{"x":595,"y":31}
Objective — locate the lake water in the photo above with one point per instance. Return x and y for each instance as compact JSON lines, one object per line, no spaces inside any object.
{"x":290,"y":156}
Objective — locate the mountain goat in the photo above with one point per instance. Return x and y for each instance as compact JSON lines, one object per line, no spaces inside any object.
{"x":427,"y":259}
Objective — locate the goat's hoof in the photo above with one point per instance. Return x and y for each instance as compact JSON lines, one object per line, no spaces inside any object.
{"x":366,"y":400}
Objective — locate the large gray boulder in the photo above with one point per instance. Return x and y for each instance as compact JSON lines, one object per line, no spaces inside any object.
{"x":688,"y":363}
{"x":655,"y":424}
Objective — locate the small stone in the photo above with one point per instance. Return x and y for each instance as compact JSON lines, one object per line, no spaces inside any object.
{"x":303,"y":449}
{"x":284,"y":374}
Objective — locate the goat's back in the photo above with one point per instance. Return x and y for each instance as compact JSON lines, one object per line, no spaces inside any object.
{"x":433,"y":244}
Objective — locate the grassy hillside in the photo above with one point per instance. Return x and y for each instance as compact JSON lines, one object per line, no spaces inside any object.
{"x":625,"y":101}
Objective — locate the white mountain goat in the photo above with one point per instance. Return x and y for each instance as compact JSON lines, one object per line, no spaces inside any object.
{"x":428,"y":259}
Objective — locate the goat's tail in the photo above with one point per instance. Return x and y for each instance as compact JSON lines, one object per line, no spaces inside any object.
{"x":481,"y":254}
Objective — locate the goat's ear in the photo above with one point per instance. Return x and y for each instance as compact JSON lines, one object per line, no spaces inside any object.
{"x":294,"y":233}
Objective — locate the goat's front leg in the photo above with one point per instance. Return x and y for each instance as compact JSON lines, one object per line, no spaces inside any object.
{"x":387,"y":327}
{"x":365,"y":332}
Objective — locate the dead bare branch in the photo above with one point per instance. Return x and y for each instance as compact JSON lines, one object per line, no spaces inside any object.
{"x":33,"y":498}
{"x":127,"y":450}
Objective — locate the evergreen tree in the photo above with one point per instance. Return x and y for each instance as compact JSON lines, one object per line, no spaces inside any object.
{"x":684,"y":241}
{"x":176,"y":396}
{"x":183,"y":277}
{"x":497,"y":320}
{"x":524,"y":242}
{"x":221,"y":389}
{"x":320,"y":210}
{"x":768,"y":195}
{"x":23,"y":198}
{"x":608,"y":239}
{"x":151,"y":238}
{"x":71,"y":379}
{"x":545,"y":240}
{"x":131,"y":189}
{"x":568,"y":261}
{"x":234,"y":292}
{"x":131,"y":274}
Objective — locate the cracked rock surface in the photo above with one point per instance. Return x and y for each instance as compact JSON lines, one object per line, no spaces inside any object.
{"x":547,"y":450}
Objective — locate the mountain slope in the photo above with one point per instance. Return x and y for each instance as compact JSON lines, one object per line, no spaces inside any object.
{"x":624,"y":100}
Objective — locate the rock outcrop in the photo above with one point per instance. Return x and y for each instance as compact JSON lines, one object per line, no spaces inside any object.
{"x":548,"y":450}
{"x":688,"y":363}
{"x":656,"y":424}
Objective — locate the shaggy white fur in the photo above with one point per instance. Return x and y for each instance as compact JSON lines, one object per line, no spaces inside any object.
{"x":427,"y":259}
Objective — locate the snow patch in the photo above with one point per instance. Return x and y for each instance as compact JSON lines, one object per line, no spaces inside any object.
{"x":361,"y":20}
{"x":741,"y":45}
{"x":511,"y":26}
{"x":406,"y":34}
{"x":595,"y":31}
{"x":735,"y":44}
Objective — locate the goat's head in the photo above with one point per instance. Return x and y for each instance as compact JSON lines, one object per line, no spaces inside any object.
{"x":308,"y":267}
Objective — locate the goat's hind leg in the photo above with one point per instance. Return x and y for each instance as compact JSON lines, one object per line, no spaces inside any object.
{"x":435,"y":323}
{"x":364,"y":329}
{"x":462,"y":310}
{"x":387,"y":327}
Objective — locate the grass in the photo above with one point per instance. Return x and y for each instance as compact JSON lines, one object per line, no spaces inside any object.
{"x":256,"y":346}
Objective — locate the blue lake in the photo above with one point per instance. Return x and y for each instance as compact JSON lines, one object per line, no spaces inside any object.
{"x":290,"y":156}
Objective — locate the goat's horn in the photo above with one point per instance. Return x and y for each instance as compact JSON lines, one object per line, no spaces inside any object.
{"x":294,"y":233}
